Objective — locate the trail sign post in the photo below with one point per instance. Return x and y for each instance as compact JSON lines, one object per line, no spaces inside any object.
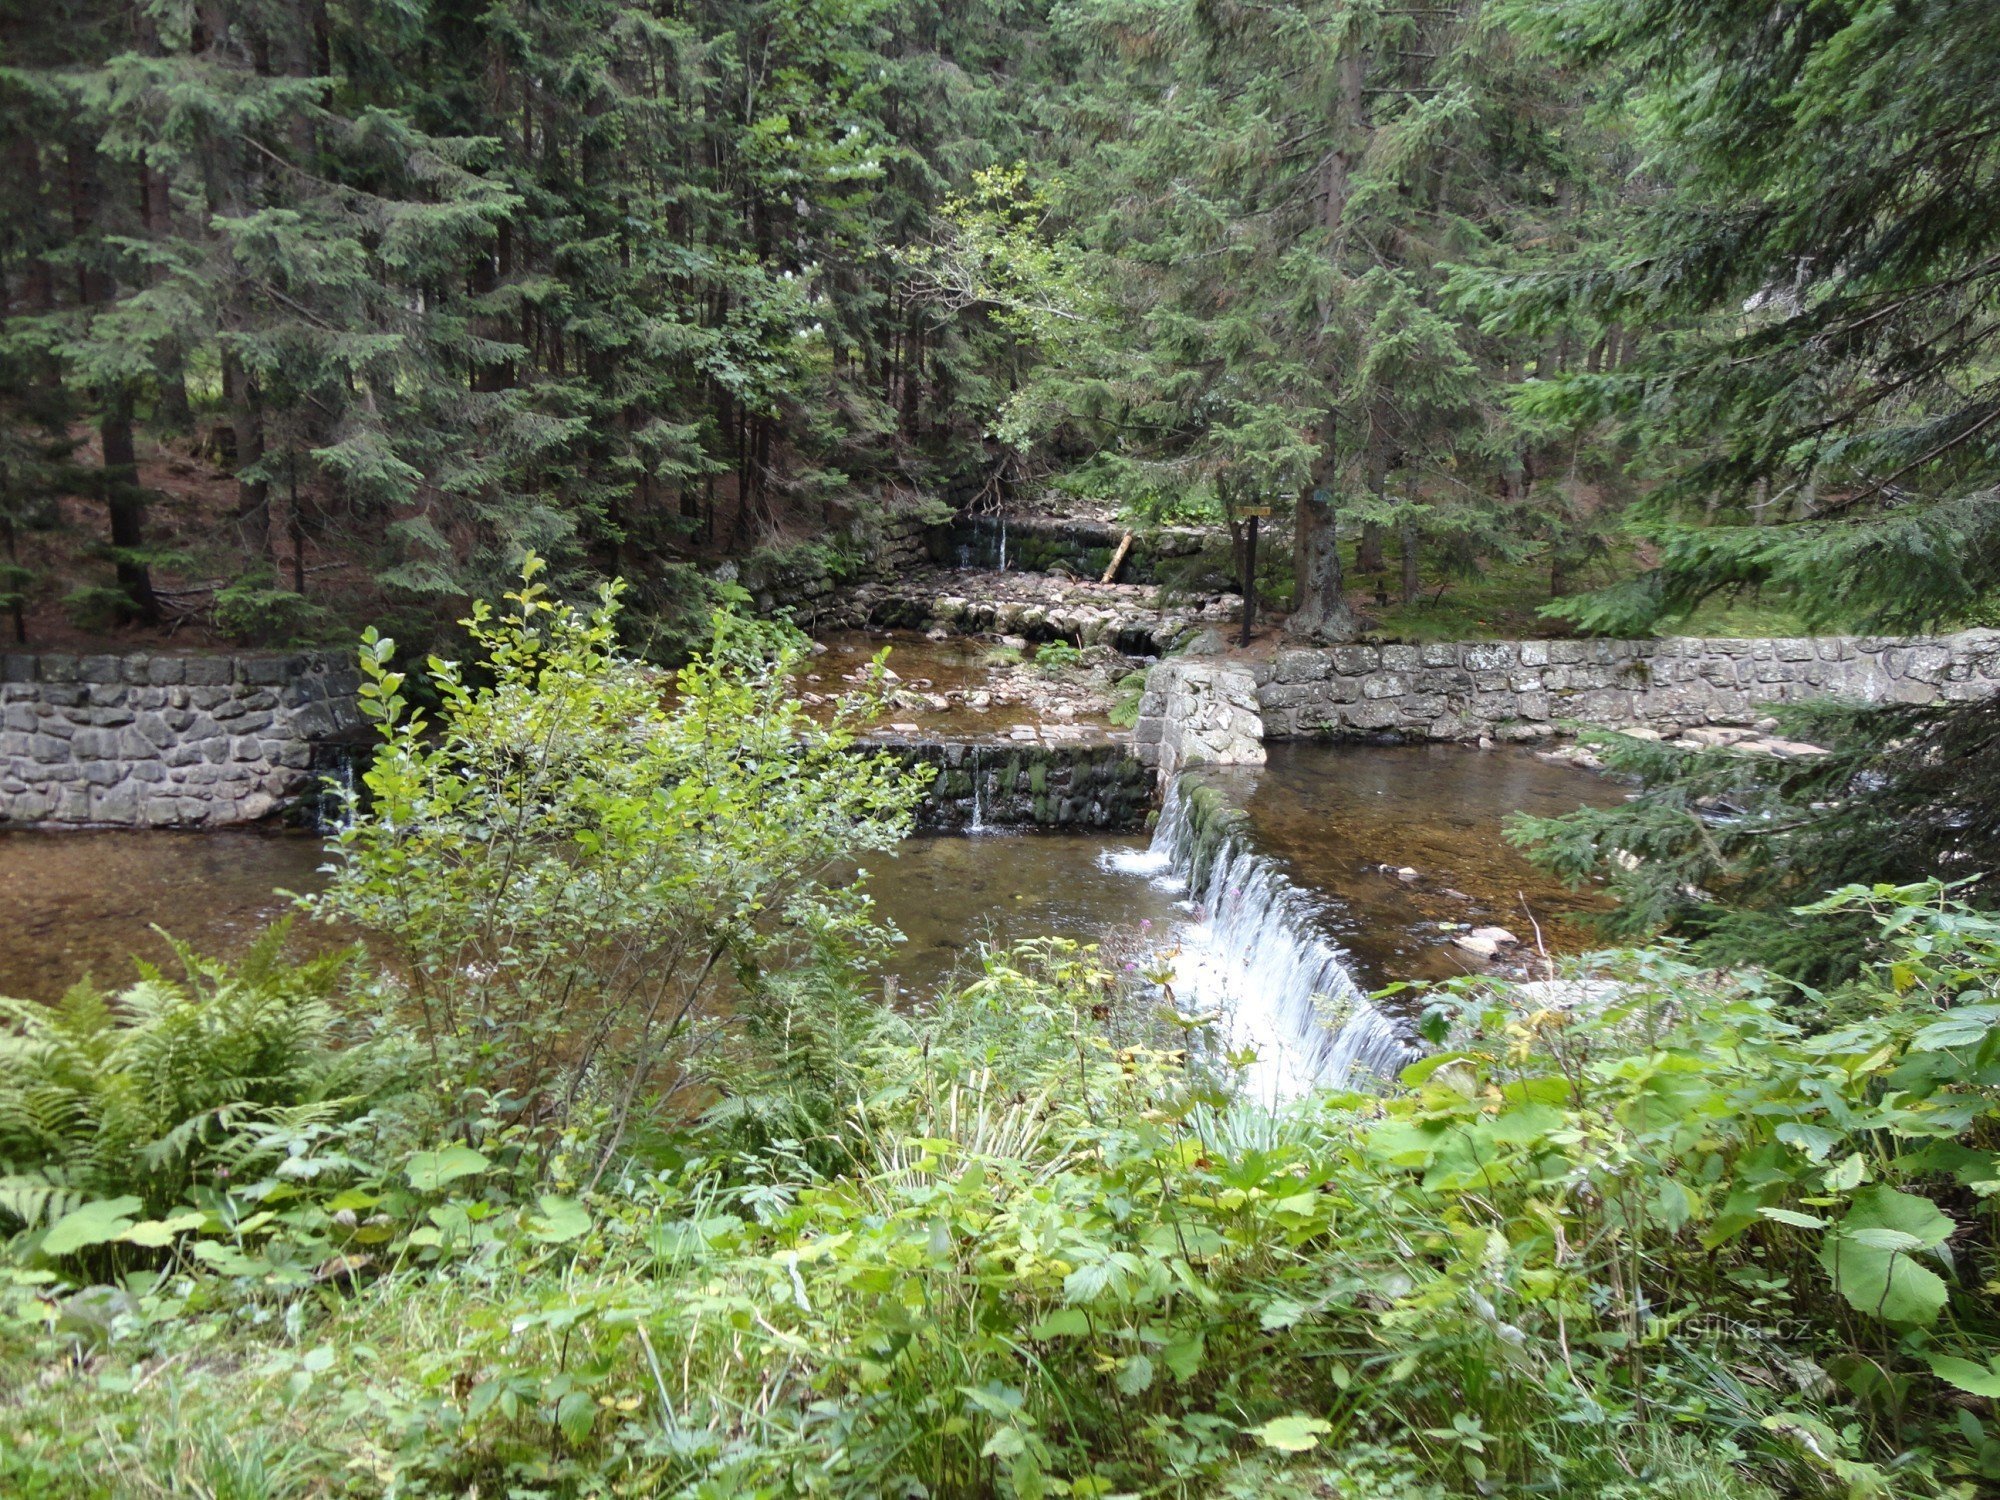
{"x":1254,"y":513}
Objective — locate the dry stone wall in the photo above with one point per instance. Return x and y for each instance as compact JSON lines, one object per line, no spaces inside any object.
{"x":1529,"y":689}
{"x":1199,"y":713}
{"x":1196,"y":711}
{"x":150,"y":741}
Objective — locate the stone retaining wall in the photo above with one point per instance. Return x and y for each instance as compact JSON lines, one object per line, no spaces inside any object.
{"x":166,"y":741}
{"x":1524,"y":690}
{"x":1529,"y":689}
{"x":1030,"y":786}
{"x":1199,"y":713}
{"x":810,"y":579}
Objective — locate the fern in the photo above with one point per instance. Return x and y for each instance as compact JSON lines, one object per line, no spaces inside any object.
{"x":233,"y":1067}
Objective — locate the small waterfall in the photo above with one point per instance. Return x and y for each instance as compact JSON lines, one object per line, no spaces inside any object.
{"x":1257,"y":953}
{"x":329,"y":806}
{"x":1003,"y":544}
{"x":978,"y":823}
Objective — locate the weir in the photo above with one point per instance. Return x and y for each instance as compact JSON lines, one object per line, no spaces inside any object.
{"x":1256,"y":953}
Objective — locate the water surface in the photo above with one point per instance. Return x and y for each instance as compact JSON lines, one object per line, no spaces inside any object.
{"x":75,"y":902}
{"x":1346,"y":820}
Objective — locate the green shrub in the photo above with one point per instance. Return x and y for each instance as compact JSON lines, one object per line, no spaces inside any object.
{"x":568,"y":867}
{"x":1125,"y":696}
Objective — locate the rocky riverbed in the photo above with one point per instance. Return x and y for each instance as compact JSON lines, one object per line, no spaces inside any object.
{"x":943,"y":687}
{"x":1137,"y":619}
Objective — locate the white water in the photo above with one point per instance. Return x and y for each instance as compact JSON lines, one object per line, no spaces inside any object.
{"x":978,"y":823}
{"x":1254,"y":952}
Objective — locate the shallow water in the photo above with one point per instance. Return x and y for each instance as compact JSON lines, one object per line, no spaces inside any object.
{"x":73,"y":902}
{"x":952,"y":668}
{"x":83,"y":901}
{"x":1336,"y":815}
{"x":950,"y":895}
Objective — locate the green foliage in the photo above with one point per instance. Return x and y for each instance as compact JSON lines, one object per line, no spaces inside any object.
{"x":251,"y":608}
{"x":1721,"y":846}
{"x":568,"y":867}
{"x":231,"y":1069}
{"x":1125,"y":696}
{"x":1057,"y":656}
{"x":1635,"y":1233}
{"x":1822,"y":413}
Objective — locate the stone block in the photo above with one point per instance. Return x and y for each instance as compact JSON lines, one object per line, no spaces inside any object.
{"x":1371,"y":714}
{"x":207,"y":671}
{"x":94,"y":744}
{"x":1401,"y":659}
{"x":1384,"y":685}
{"x":1352,"y":661}
{"x":115,"y":804}
{"x":1489,"y":656}
{"x":1302,"y":666}
{"x":101,"y":669}
{"x":1534,"y":653}
{"x":166,"y":671}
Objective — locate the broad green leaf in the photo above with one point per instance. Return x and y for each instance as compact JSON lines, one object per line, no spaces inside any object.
{"x":1135,"y":1375}
{"x":575,"y":1414}
{"x":96,"y":1223}
{"x":1814,"y":1140}
{"x":560,"y":1220}
{"x":432,"y":1171}
{"x":1870,"y":1252}
{"x":1064,"y":1322}
{"x":1980,"y":1380}
{"x":155,"y":1233}
{"x":1792,"y":1217}
{"x":1006,"y":1442}
{"x":1297,"y":1433}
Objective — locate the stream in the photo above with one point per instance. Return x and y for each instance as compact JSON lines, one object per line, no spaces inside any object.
{"x":1355,"y":865}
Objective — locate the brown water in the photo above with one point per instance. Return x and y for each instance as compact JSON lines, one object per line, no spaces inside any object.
{"x":1338,"y":814}
{"x":84,"y":902}
{"x":949,"y":895}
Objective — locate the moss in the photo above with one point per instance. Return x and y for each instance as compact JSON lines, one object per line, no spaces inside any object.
{"x":1038,"y":776}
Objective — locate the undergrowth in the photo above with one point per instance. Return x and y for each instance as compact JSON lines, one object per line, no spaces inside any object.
{"x":1648,"y":1236}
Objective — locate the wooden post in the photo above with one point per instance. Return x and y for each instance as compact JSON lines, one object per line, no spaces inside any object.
{"x":1250,"y":578}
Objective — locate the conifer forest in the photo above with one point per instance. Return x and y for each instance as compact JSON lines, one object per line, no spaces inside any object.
{"x":996,"y":749}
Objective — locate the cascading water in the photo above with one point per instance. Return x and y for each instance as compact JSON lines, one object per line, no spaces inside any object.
{"x":978,"y":823}
{"x":1255,"y":953}
{"x":1003,"y":544}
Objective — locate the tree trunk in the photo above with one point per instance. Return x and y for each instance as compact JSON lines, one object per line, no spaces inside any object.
{"x":253,"y":496}
{"x":1319,"y":594}
{"x":17,"y":608}
{"x":1372,"y":556}
{"x":1407,"y":542}
{"x":1319,"y":611}
{"x":126,"y":503}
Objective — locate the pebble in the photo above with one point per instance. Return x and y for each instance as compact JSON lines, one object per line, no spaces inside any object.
{"x":1485,"y":942}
